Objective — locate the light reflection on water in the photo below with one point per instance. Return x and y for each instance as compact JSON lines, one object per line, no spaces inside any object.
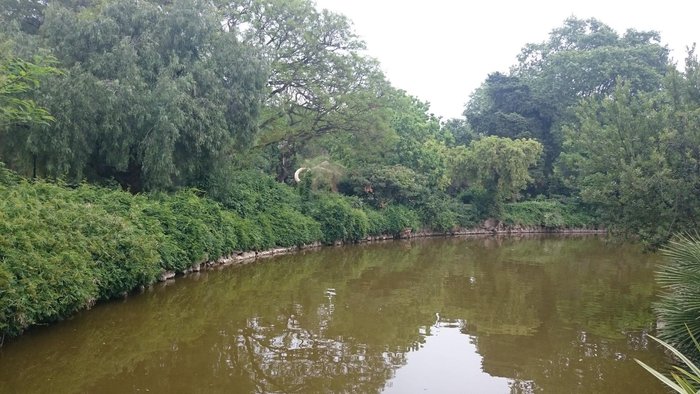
{"x":534,"y":315}
{"x":447,"y":362}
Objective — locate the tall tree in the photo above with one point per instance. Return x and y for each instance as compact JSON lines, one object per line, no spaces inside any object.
{"x":18,"y":78}
{"x":587,"y":57}
{"x":318,"y":83}
{"x":459,"y":130}
{"x":154,"y":95}
{"x":582,"y":58}
{"x":637,"y":158}
{"x":29,"y":14}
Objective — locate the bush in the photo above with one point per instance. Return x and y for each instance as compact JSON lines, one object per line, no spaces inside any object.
{"x":195,"y":226}
{"x":383,"y":185}
{"x":400,"y":218}
{"x":338,"y":220}
{"x":288,"y":227}
{"x":251,"y":192}
{"x":376,"y":222}
{"x":7,"y":177}
{"x":466,"y":215}
{"x":359,"y":225}
{"x":550,"y":214}
{"x":63,"y":249}
{"x":58,"y":255}
{"x":484,"y":203}
{"x":439,"y":213}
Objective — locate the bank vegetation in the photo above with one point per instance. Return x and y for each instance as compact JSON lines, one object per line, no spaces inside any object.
{"x":139,"y":137}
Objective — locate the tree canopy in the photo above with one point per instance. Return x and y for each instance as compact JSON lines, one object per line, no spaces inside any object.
{"x":582,"y":58}
{"x":318,"y":83}
{"x":497,"y":168}
{"x":19,"y":77}
{"x":151,"y":95}
{"x":637,"y":156}
{"x":187,"y":93}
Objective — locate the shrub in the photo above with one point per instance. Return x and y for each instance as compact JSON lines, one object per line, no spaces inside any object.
{"x":191,"y":223}
{"x":548,"y":214}
{"x":466,"y":215}
{"x":288,"y":227}
{"x":146,"y":213}
{"x":439,"y":213}
{"x":7,"y":177}
{"x":679,"y":305}
{"x":485,"y":203}
{"x":376,"y":222}
{"x":384,"y":185}
{"x":400,"y":218}
{"x":358,"y":227}
{"x":338,"y":220}
{"x":58,"y":255}
{"x":251,"y":192}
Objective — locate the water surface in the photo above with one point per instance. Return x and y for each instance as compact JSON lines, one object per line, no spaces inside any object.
{"x":481,"y":315}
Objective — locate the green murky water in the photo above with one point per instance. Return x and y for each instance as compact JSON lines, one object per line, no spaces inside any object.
{"x":488,"y":315}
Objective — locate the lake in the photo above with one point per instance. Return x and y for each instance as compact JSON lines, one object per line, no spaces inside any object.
{"x":537,"y":314}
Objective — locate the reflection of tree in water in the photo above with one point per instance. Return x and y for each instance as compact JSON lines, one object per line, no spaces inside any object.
{"x":554,"y":321}
{"x":572,"y":362}
{"x":285,"y":356}
{"x":551,"y":315}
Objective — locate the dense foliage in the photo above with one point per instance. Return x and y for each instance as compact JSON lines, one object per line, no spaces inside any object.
{"x":151,"y":95}
{"x":636,"y":156}
{"x":18,"y":77}
{"x":617,"y":121}
{"x":582,"y":58}
{"x":62,"y":249}
{"x":194,"y":116}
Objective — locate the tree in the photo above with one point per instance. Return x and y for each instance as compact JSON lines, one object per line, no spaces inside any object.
{"x":421,"y":140}
{"x":28,"y":13}
{"x":582,"y":58}
{"x":587,"y":57}
{"x":460,"y":132}
{"x":635,"y":156}
{"x":318,"y":82}
{"x":153,"y":95}
{"x":505,"y":106}
{"x":17,"y":79}
{"x":497,"y":168}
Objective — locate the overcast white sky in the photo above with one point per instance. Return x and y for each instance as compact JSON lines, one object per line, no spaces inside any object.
{"x":441,"y":50}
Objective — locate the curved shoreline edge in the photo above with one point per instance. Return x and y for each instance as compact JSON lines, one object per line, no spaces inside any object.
{"x":243,"y":258}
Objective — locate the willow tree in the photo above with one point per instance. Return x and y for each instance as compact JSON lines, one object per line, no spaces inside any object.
{"x":18,"y":78}
{"x":496,"y":169}
{"x":154,"y":95}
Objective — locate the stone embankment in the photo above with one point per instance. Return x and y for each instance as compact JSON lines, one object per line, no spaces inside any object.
{"x":488,"y":227}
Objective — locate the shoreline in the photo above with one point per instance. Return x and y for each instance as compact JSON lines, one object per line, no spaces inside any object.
{"x":244,"y":258}
{"x":240,"y":259}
